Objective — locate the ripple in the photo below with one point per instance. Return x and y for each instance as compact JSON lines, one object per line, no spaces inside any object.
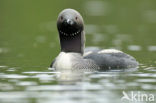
{"x":13,"y":97}
{"x":98,"y":38}
{"x":47,"y":26}
{"x":146,"y":80}
{"x":53,"y":88}
{"x":111,"y":29}
{"x":6,"y":86}
{"x":11,"y":69}
{"x":134,"y":47}
{"x":26,"y":83}
{"x":3,"y":66}
{"x":13,"y":76}
{"x":4,"y":50}
{"x":41,"y":39}
{"x":150,"y":16}
{"x":143,"y":75}
{"x":148,"y":87}
{"x":42,"y":76}
{"x":58,"y":97}
{"x":152,"y":48}
{"x":39,"y":72}
{"x":90,"y":29}
{"x":150,"y":69}
{"x":97,"y":8}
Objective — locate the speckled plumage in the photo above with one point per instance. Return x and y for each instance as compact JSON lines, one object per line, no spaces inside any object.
{"x":72,"y":40}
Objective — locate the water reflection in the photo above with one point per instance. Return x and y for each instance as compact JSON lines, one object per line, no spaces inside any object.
{"x":71,"y":85}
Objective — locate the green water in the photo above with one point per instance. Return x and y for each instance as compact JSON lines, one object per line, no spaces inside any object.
{"x":29,"y":42}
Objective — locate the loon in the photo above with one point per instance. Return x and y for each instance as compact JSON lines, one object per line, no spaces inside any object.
{"x":70,"y":27}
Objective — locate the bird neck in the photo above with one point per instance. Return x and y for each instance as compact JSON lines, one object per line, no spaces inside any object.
{"x":72,"y":43}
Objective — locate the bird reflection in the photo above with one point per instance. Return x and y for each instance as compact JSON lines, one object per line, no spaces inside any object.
{"x":71,"y":76}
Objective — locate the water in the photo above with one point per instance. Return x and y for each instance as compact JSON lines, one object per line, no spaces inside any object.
{"x":29,"y":43}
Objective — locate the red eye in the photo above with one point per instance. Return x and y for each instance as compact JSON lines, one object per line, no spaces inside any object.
{"x":76,"y":18}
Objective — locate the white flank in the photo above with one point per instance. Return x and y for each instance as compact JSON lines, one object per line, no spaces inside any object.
{"x":110,"y":51}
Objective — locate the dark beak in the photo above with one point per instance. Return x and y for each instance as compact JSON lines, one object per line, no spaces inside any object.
{"x":68,"y":22}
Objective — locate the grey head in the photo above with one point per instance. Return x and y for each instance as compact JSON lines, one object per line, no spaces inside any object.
{"x":70,"y":26}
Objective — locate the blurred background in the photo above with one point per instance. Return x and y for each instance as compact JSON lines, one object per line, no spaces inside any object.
{"x":29,"y":38}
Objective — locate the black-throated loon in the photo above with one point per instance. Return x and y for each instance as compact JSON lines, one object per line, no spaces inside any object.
{"x":70,"y":26}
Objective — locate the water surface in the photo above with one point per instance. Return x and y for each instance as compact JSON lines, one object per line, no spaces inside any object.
{"x":29,"y":43}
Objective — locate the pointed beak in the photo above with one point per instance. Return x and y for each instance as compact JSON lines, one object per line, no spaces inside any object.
{"x":68,"y":22}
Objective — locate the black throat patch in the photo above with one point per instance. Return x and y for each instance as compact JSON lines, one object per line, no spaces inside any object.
{"x":72,"y":42}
